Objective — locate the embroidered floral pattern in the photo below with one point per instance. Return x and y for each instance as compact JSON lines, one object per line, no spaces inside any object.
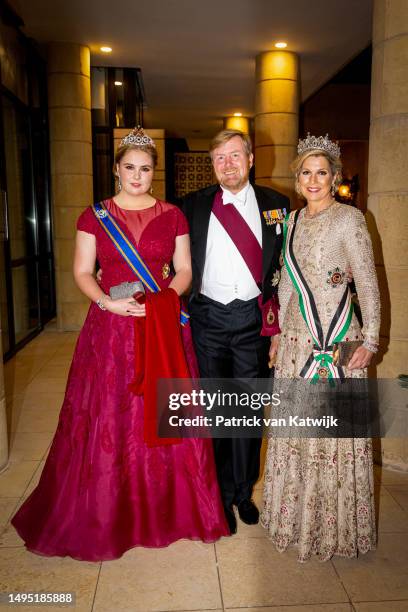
{"x":319,"y":493}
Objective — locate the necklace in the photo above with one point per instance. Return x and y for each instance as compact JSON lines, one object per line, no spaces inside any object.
{"x":308,"y":215}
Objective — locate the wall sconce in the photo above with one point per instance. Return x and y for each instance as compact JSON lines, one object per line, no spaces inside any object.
{"x":347,"y":190}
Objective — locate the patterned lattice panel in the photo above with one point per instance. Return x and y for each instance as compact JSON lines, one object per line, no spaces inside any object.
{"x":192,"y":171}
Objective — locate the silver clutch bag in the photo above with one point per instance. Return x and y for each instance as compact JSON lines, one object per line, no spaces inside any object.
{"x":125,"y":290}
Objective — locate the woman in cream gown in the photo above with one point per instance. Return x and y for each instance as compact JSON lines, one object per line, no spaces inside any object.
{"x":319,"y":492}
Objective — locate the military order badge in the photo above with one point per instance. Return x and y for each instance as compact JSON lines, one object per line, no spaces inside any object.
{"x":277,"y":215}
{"x":270,"y":317}
{"x":165,"y":271}
{"x":335,"y":277}
{"x":275,"y":278}
{"x":323,"y":372}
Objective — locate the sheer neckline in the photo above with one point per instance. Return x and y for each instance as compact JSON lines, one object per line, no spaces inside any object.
{"x":132,"y":210}
{"x":136,"y":221}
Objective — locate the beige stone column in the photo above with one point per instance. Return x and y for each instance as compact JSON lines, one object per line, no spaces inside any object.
{"x":237,"y":123}
{"x":69,"y":102}
{"x":388,"y":192}
{"x":276,"y":118}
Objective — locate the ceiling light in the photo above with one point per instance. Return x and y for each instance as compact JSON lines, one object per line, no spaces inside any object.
{"x":118,"y":83}
{"x":237,"y":114}
{"x":281,"y":45}
{"x":106,"y":49}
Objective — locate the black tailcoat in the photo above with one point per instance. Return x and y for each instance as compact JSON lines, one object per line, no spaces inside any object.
{"x":197,"y":207}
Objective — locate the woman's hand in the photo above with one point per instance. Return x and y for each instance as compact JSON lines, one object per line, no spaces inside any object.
{"x":361,"y":358}
{"x":125,"y":307}
{"x":273,"y":350}
{"x":84,"y":266}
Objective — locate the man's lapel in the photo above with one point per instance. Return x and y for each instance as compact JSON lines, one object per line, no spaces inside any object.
{"x":268,"y":232}
{"x":202,"y":215}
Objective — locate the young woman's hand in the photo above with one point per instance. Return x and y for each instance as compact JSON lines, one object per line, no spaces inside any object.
{"x":125,"y":307}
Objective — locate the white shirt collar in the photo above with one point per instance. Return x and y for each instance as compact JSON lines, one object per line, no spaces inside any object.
{"x":238,"y":198}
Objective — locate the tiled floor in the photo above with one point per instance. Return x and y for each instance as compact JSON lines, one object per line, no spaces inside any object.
{"x":243,"y":573}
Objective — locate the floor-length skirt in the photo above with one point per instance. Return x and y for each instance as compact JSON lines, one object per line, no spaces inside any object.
{"x":318,"y":492}
{"x":102,"y":490}
{"x":319,"y":496}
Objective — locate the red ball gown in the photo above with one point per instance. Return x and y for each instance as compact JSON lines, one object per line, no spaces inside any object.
{"x":103,"y":490}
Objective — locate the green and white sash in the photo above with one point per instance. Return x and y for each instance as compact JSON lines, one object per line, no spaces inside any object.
{"x":319,"y":365}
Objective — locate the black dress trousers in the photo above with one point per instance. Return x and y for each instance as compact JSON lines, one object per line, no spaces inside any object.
{"x":228,"y":345}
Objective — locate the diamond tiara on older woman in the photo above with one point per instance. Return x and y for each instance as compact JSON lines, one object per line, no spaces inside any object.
{"x":137,"y":137}
{"x":321,"y":143}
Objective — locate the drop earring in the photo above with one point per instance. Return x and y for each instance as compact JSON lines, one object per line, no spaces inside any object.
{"x":119,"y":184}
{"x":333,"y":189}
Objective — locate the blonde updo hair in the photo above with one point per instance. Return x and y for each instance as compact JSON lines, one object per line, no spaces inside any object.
{"x":334,"y":163}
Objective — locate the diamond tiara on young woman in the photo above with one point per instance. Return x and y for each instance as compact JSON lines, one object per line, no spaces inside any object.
{"x":137,"y":137}
{"x":321,"y":143}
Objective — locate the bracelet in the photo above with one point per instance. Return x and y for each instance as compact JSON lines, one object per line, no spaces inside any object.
{"x":100,"y":304}
{"x":370,"y":346}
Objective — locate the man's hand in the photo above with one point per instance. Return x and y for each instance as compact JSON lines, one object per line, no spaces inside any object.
{"x":273,"y":350}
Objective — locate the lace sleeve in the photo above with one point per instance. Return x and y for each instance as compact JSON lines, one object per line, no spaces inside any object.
{"x":285,"y":291}
{"x":357,"y":243}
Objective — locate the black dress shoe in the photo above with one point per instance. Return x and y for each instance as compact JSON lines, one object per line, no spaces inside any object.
{"x":231,"y":520}
{"x":248,"y":512}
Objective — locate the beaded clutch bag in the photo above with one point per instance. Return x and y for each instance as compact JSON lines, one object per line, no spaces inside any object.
{"x":343,"y":352}
{"x":126,"y":290}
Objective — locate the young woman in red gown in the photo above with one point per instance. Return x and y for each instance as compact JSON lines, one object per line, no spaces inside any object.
{"x":103,"y":490}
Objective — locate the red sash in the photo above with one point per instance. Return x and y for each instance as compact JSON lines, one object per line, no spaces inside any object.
{"x":241,"y":235}
{"x":251,"y":252}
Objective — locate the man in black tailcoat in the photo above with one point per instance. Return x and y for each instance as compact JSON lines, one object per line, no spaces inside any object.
{"x":236,"y":242}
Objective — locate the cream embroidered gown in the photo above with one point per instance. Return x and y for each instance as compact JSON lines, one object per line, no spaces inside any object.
{"x":319,"y":493}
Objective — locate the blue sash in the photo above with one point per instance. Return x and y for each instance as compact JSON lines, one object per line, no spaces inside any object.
{"x":129,"y":252}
